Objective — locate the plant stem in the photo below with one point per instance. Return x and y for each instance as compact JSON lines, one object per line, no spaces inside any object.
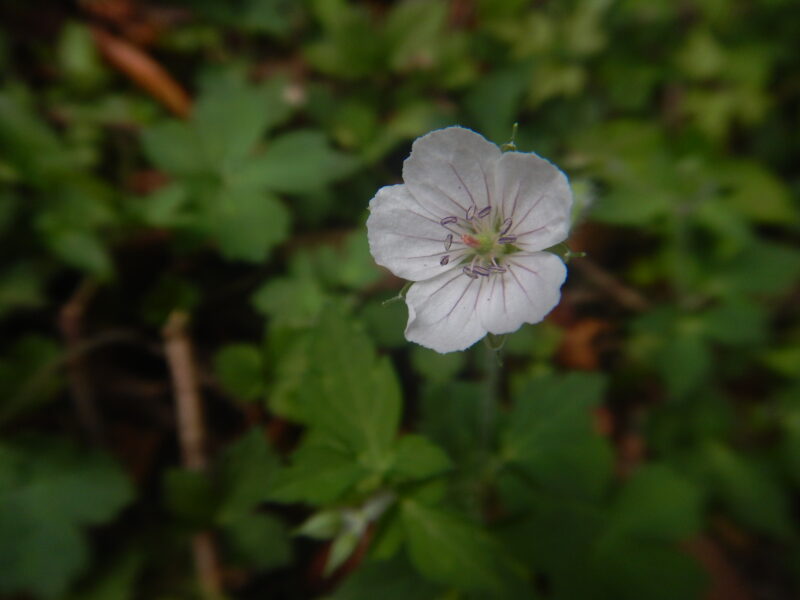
{"x":491,"y":395}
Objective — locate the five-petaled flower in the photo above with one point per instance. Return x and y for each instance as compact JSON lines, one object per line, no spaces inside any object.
{"x":469,"y":227}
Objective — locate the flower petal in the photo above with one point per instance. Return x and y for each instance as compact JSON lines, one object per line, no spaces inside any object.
{"x":405,"y":240}
{"x":536,"y":197}
{"x":442,"y":312}
{"x":450,"y":170}
{"x":525,"y":293}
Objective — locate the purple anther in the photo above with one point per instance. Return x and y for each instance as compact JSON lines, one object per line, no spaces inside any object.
{"x":484,"y":211}
{"x":482,"y":271}
{"x":469,"y":273}
{"x":470,"y":212}
{"x":507,"y":239}
{"x":448,"y":241}
{"x":445,"y":260}
{"x":448,"y":221}
{"x":506,"y":227}
{"x":497,"y":269}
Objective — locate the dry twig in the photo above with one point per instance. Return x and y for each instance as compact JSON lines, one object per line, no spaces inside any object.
{"x":191,"y":433}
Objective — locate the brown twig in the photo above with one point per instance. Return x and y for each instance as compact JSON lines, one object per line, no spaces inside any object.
{"x":143,"y":70}
{"x":626,"y":296}
{"x":191,"y":434}
{"x":70,"y":323}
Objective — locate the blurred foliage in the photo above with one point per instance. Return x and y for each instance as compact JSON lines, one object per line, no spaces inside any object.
{"x":647,"y":439}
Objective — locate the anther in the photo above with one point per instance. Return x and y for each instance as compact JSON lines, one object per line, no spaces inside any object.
{"x":506,"y":227}
{"x":448,"y":221}
{"x":469,"y":273}
{"x":445,"y":260}
{"x":507,"y":239}
{"x":484,"y":211}
{"x":448,"y":241}
{"x":470,"y":212}
{"x":497,"y":269}
{"x":482,"y":271}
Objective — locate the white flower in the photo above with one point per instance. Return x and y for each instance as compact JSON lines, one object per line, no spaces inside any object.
{"x":468,"y":226}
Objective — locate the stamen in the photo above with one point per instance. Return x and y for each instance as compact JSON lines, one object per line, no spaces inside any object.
{"x":483,"y":271}
{"x":445,"y":260}
{"x":448,"y":221}
{"x":507,"y":239}
{"x":471,"y":212}
{"x":497,"y":269}
{"x":506,"y":226}
{"x":484,"y":211}
{"x":448,"y":241}
{"x":469,"y":273}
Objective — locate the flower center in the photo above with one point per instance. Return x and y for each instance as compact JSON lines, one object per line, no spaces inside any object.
{"x":486,"y":239}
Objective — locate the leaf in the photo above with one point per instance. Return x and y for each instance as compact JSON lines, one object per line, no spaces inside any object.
{"x":631,"y":570}
{"x":295,"y":163}
{"x":258,"y":540}
{"x":736,"y":322}
{"x":241,"y":370}
{"x":758,"y":194}
{"x":684,"y":362}
{"x":417,"y":458}
{"x":26,"y":376}
{"x":44,"y":487}
{"x":30,"y":146}
{"x":550,"y":433}
{"x":174,"y":147}
{"x":389,"y":580}
{"x":657,"y":504}
{"x":232,"y":115}
{"x":317,"y":475}
{"x":81,"y":249}
{"x":449,"y":550}
{"x":294,"y":302}
{"x":748,"y":491}
{"x":352,"y":395}
{"x":247,"y":224}
{"x":246,"y":472}
{"x":438,"y":368}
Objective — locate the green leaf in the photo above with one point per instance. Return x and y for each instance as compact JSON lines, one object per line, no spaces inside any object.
{"x":232,"y":115}
{"x":241,"y":370}
{"x":295,"y":163}
{"x":550,"y":434}
{"x":246,"y":472}
{"x":246,"y":223}
{"x":438,"y":368}
{"x":81,"y":249}
{"x":684,"y":362}
{"x":26,"y":376}
{"x":30,"y":146}
{"x":258,"y":540}
{"x":388,"y":580}
{"x":44,"y":487}
{"x":736,"y":323}
{"x":417,"y":458}
{"x":293,"y":302}
{"x":758,"y":194}
{"x":748,"y":491}
{"x":632,"y":569}
{"x":174,"y":147}
{"x":317,"y":475}
{"x":352,"y":395}
{"x":448,"y":549}
{"x":657,"y":504}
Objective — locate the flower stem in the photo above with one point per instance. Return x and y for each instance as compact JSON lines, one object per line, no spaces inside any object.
{"x":491,"y":393}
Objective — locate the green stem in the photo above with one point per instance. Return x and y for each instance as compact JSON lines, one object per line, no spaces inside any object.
{"x":491,"y":393}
